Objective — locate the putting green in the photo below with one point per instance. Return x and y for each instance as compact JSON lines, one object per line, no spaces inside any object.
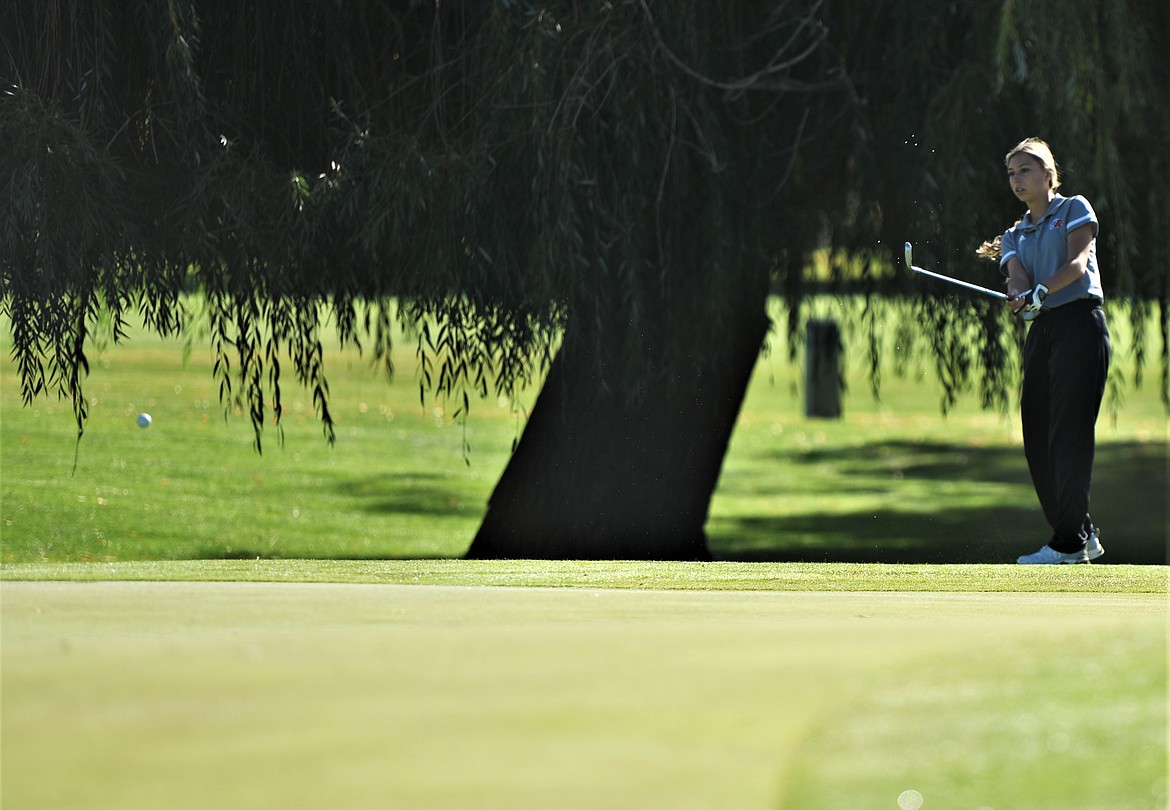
{"x":233,"y":695}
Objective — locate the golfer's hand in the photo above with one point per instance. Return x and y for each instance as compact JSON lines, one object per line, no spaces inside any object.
{"x":1030,"y":301}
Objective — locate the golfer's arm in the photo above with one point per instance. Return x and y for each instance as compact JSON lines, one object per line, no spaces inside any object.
{"x":1018,"y":281}
{"x":1080,"y":242}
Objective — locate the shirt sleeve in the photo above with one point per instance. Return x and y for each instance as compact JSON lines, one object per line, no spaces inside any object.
{"x":1007,"y":249}
{"x":1081,"y":212}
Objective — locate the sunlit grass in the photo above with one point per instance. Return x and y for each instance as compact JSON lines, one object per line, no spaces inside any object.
{"x":892,"y":481}
{"x":452,"y":697}
{"x":181,"y":606}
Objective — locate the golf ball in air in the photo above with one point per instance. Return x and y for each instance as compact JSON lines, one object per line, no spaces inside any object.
{"x":910,"y":800}
{"x":144,"y":420}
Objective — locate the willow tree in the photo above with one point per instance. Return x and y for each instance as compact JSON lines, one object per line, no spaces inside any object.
{"x":944,"y":90}
{"x":601,"y":194}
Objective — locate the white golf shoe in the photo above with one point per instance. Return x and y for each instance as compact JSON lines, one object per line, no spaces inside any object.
{"x":1093,"y":548}
{"x":1047,"y":555}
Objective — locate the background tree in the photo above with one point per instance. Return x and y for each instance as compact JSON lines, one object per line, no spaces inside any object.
{"x":600,"y":193}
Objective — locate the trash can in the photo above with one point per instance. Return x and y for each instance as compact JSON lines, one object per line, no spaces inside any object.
{"x":822,"y":369}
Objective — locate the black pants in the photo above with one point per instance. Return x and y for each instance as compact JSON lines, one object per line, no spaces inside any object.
{"x":1066,"y":361}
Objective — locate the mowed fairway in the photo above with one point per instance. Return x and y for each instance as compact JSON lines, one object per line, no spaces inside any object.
{"x":188,"y":624}
{"x":265,"y":695}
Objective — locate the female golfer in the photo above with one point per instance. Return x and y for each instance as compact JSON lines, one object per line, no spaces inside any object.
{"x":1050,"y":259}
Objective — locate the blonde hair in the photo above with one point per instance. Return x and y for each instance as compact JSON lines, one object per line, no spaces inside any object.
{"x":990,"y":250}
{"x":1042,"y":152}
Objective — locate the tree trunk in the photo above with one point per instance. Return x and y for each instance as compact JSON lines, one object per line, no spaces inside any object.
{"x":592,"y":478}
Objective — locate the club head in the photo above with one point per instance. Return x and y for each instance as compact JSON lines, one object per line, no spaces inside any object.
{"x":909,"y":255}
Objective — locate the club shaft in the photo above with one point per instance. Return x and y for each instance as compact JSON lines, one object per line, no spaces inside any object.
{"x":973,"y":287}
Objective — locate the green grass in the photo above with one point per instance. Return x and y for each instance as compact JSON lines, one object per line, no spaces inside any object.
{"x":192,"y":487}
{"x":244,"y":694}
{"x":893,"y":481}
{"x":620,"y":575}
{"x":187,"y":624}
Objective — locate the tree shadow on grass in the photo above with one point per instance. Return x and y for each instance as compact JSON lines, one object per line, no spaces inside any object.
{"x":881,"y":537}
{"x":1129,"y":504}
{"x":431,"y":497}
{"x":432,"y":494}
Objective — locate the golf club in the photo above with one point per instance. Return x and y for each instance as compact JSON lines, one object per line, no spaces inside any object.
{"x":974,"y":287}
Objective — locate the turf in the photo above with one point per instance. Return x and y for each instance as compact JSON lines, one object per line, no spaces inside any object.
{"x":724,"y":576}
{"x":193,"y":695}
{"x":186,"y":623}
{"x":891,"y":482}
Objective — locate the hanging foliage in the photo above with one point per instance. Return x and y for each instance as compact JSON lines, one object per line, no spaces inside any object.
{"x":518,"y":173}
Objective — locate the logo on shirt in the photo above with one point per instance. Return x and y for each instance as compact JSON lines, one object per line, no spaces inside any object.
{"x":1056,"y":223}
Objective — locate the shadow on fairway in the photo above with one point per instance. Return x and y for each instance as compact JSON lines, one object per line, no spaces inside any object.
{"x":920,"y":519}
{"x":1129,"y":504}
{"x":426,"y":494}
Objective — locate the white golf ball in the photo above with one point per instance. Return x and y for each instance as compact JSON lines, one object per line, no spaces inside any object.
{"x":144,"y":420}
{"x":910,"y":800}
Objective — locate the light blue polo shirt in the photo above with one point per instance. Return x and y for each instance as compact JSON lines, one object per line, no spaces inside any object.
{"x":1042,"y":247}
